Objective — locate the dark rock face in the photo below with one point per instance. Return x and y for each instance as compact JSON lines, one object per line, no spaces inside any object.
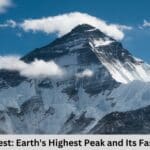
{"x":132,"y":122}
{"x":75,"y":124}
{"x":10,"y":78}
{"x":46,"y":83}
{"x":115,"y":51}
{"x":62,"y":46}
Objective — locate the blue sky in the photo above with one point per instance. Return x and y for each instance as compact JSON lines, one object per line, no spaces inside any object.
{"x":130,"y":13}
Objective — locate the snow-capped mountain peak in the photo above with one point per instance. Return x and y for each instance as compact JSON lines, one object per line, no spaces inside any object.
{"x":119,"y":62}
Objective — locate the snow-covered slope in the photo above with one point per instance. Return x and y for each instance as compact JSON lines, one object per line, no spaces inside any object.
{"x":49,"y":111}
{"x":128,"y":71}
{"x":123,"y":67}
{"x":97,"y":67}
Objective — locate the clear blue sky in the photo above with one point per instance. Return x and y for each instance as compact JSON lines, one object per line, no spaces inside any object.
{"x":128,"y":12}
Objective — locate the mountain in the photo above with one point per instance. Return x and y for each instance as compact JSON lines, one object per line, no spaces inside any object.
{"x":131,"y":122}
{"x":91,"y":45}
{"x":77,"y":103}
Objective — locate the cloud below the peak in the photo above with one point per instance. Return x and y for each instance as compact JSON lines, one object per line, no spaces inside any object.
{"x":85,"y":73}
{"x":36,"y":69}
{"x":62,"y":24}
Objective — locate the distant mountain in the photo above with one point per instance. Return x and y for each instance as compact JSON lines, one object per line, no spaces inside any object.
{"x":77,"y":104}
{"x":131,"y":122}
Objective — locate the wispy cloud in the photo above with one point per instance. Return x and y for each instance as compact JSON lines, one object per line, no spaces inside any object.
{"x":4,"y":4}
{"x":64,"y":23}
{"x":36,"y":69}
{"x":9,"y":23}
{"x":146,"y":23}
{"x":124,"y":27}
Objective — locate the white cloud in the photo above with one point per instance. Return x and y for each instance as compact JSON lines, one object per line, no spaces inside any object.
{"x":85,"y":73}
{"x":4,"y":4}
{"x":38,"y":68}
{"x":146,"y":23}
{"x":124,"y":27}
{"x":64,"y":23}
{"x":9,"y":23}
{"x":11,"y":63}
